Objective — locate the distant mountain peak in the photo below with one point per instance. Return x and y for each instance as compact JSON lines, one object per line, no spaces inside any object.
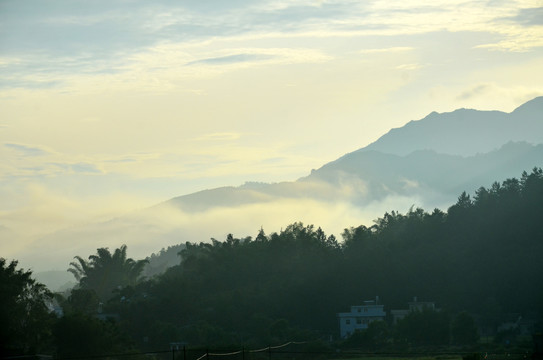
{"x":534,"y":106}
{"x":465,"y":132}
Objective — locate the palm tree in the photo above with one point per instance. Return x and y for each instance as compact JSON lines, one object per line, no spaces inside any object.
{"x":104,"y":271}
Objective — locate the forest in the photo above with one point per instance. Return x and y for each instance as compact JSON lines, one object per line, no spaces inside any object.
{"x":479,"y":261}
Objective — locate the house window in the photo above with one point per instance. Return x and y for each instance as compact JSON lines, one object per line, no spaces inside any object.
{"x":359,"y":321}
{"x":347,"y":321}
{"x":365,"y":309}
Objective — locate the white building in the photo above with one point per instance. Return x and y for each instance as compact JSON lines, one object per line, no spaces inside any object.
{"x":360,"y":317}
{"x":414,"y":305}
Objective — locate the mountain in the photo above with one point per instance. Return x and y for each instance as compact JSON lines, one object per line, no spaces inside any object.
{"x":465,"y":132}
{"x":426,"y":163}
{"x":56,"y":280}
{"x":441,"y":154}
{"x":428,"y":170}
{"x":367,"y":176}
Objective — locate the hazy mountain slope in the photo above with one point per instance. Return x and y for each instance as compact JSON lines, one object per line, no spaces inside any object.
{"x":57,"y":281}
{"x":224,"y":196}
{"x":425,"y":172}
{"x":365,"y":176}
{"x":465,"y":132}
{"x":443,"y":153}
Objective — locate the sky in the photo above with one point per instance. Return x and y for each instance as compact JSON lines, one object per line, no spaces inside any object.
{"x":107,"y":107}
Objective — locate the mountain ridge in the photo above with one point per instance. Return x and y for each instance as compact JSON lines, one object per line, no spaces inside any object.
{"x":482,"y":131}
{"x":512,"y":135}
{"x":426,"y":169}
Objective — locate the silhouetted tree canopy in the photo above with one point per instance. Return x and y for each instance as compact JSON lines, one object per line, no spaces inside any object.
{"x":78,"y":335}
{"x":464,"y":330}
{"x":105,"y":271}
{"x":24,"y":315}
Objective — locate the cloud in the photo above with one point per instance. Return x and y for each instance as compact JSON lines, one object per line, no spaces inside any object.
{"x":395,"y":49}
{"x":22,"y":83}
{"x":44,"y":70}
{"x":528,"y":17}
{"x":476,"y":90}
{"x":409,"y":66}
{"x":127,"y":159}
{"x":273,"y":160}
{"x":43,"y":222}
{"x":149,"y":230}
{"x":409,"y":184}
{"x":27,"y":162}
{"x":231,"y":59}
{"x":262,"y":56}
{"x":219,"y":136}
{"x":149,"y":48}
{"x":496,"y":96}
{"x":296,"y":16}
{"x":26,"y":150}
{"x":31,"y":210}
{"x":82,"y":167}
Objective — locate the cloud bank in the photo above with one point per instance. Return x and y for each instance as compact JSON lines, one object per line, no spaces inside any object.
{"x":149,"y":230}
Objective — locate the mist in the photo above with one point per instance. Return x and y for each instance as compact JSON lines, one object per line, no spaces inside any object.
{"x":54,"y":232}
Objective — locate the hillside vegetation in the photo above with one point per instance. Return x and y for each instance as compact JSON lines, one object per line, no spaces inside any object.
{"x":479,"y":261}
{"x":482,"y":256}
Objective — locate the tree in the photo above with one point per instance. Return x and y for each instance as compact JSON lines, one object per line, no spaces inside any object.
{"x":423,"y":328}
{"x":356,"y":238}
{"x":82,"y":301}
{"x":463,"y":330}
{"x":105,"y":271}
{"x":375,"y":337}
{"x":460,"y":210}
{"x":79,"y":335}
{"x":488,"y":247}
{"x":24,"y":315}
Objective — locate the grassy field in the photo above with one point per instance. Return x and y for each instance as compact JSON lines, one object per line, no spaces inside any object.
{"x":368,"y":357}
{"x":500,"y":356}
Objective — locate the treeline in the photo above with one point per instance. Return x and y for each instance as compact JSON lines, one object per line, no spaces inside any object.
{"x":478,"y":261}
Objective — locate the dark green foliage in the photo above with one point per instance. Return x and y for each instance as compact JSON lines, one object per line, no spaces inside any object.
{"x":377,"y":337}
{"x":424,"y":328}
{"x":463,"y":330}
{"x":105,"y":272}
{"x":506,"y":337}
{"x":24,"y":316}
{"x":231,"y":284}
{"x":483,"y":255}
{"x":83,"y":301}
{"x":166,"y":258}
{"x":81,"y":335}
